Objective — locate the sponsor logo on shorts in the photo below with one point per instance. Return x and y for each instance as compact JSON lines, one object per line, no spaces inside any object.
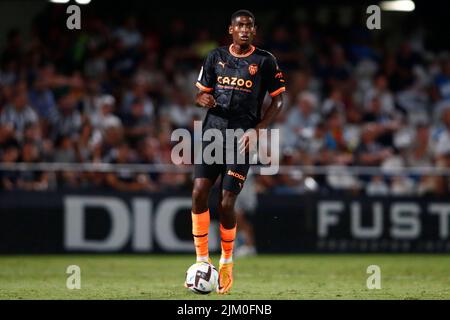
{"x":236,"y":175}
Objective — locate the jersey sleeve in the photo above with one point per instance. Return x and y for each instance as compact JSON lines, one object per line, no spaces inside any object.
{"x":276,"y":83}
{"x":206,"y":77}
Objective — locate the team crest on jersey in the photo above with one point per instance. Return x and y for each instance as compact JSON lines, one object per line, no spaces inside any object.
{"x":253,"y":69}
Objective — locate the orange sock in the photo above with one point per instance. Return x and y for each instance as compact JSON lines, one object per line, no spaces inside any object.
{"x":200,"y":227}
{"x":227,"y":237}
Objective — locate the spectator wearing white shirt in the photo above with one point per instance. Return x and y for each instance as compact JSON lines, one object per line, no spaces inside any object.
{"x":15,"y":117}
{"x":303,"y":118}
{"x":129,"y":34}
{"x":104,"y":115}
{"x":66,"y":121}
{"x":381,"y":91}
{"x":181,"y":113}
{"x":442,"y":148}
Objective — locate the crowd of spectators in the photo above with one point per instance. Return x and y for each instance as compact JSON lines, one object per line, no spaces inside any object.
{"x":114,"y":92}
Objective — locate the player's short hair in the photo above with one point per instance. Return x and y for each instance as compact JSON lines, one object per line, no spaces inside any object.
{"x":242,"y":13}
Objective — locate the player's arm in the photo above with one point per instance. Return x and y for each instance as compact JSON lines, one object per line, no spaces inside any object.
{"x":205,"y":83}
{"x":276,"y":85}
{"x":271,"y":113}
{"x":274,"y":79}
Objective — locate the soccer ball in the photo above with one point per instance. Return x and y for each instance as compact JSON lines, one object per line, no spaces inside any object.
{"x":202,"y":277}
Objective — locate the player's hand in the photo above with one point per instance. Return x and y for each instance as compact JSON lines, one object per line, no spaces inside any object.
{"x":206,"y":100}
{"x":247,"y":143}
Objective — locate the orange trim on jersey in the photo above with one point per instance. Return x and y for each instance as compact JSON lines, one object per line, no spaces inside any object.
{"x":252,"y":49}
{"x":277,"y":92}
{"x":203,"y":88}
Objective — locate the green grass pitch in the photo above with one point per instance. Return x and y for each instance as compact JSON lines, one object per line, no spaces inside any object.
{"x":261,"y":277}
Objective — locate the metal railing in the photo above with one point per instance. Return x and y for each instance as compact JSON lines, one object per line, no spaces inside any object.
{"x":172,"y":168}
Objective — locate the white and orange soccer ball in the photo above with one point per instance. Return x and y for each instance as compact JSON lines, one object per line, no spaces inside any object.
{"x":202,"y":277}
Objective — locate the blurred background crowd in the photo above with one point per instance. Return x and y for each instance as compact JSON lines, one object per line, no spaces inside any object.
{"x":116,"y":89}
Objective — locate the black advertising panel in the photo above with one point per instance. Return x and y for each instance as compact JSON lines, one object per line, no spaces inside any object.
{"x":55,"y":222}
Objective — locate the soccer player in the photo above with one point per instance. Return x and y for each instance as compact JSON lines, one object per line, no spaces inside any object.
{"x":232,"y":83}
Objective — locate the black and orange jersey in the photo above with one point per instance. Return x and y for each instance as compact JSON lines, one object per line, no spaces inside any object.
{"x":239,"y":84}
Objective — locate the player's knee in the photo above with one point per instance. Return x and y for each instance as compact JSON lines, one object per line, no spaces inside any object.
{"x":228,"y":201}
{"x":200,"y":197}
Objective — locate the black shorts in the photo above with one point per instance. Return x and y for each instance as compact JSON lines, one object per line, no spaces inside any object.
{"x":233,"y":173}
